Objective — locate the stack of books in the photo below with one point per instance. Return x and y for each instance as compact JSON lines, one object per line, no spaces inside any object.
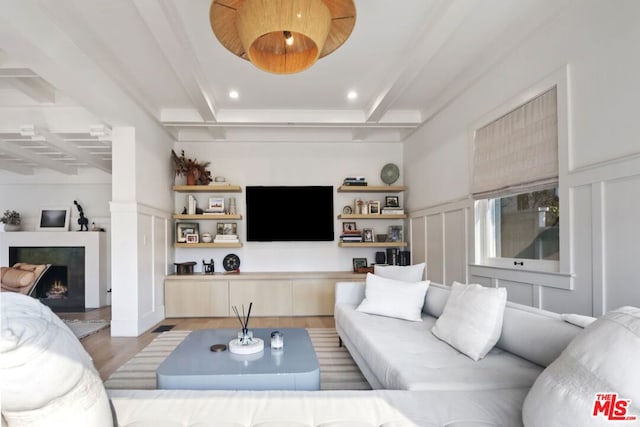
{"x":226,"y":238}
{"x":388,"y":210}
{"x":354,"y":236}
{"x":355,"y":181}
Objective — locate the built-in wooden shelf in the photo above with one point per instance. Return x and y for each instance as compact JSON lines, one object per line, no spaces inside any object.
{"x":207,"y":188}
{"x":207,"y":216}
{"x":208,"y":245}
{"x":372,"y":244}
{"x":371,"y":188}
{"x":371,"y":216}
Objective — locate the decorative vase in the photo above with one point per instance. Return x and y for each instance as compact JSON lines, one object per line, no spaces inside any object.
{"x":245,"y":337}
{"x":12,"y":227}
{"x":192,"y":176}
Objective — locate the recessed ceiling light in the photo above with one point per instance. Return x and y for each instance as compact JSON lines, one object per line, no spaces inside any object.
{"x":352,"y":94}
{"x":233,"y":94}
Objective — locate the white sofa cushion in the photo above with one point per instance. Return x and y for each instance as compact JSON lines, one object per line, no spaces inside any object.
{"x":472,"y":319}
{"x":407,"y":356}
{"x":48,"y":379}
{"x":602,"y":359}
{"x":393,"y":298}
{"x":335,"y":408}
{"x":408,"y":273}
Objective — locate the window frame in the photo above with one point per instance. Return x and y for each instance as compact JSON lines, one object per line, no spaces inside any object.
{"x":557,"y":274}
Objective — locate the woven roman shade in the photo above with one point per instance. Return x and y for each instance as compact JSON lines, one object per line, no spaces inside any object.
{"x":518,"y":152}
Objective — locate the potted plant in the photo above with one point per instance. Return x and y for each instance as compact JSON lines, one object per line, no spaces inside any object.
{"x":11,"y":220}
{"x":195,"y":172}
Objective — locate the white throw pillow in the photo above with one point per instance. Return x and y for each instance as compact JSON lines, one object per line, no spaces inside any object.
{"x":48,"y":379}
{"x":471,"y":321}
{"x":393,"y":298}
{"x":603,"y":359}
{"x":408,"y":273}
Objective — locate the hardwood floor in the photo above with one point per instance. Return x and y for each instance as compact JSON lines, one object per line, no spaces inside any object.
{"x":109,"y":353}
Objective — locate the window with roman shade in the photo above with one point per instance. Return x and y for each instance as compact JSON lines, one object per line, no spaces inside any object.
{"x":518,"y":152}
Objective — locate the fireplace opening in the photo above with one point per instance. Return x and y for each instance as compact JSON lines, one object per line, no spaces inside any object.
{"x":62,"y":286}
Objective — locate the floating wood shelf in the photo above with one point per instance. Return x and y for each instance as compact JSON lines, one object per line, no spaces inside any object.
{"x":207,"y":217}
{"x":207,"y":188}
{"x":208,"y":245}
{"x":371,"y":188}
{"x":372,"y":244}
{"x":371,"y":216}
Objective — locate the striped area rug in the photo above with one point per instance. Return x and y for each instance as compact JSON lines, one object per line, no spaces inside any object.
{"x":338,"y":371}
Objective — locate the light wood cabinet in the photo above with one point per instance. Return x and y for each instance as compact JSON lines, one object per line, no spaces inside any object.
{"x":313,"y":297}
{"x":269,"y":297}
{"x":196,"y":298}
{"x":272,"y":294}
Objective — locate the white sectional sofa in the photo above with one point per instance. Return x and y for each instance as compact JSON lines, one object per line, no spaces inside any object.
{"x":48,"y":380}
{"x":398,"y":354}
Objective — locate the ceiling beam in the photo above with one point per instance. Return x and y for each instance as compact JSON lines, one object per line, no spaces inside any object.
{"x":15,"y":168}
{"x":163,"y":21}
{"x":33,"y":157}
{"x":85,"y":38}
{"x":78,"y":153}
{"x":35,"y":88}
{"x":445,"y":19}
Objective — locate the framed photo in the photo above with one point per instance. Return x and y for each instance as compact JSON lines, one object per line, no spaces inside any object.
{"x":395,"y":234}
{"x":192,"y":238}
{"x":185,"y":228}
{"x":367,"y":235}
{"x":227,"y":228}
{"x":392,"y":201}
{"x":374,"y":207}
{"x":349,"y":227}
{"x":54,"y":219}
{"x":359,"y":263}
{"x":216,"y":204}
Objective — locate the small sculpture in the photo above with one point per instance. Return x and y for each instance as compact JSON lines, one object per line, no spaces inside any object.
{"x":82,"y":221}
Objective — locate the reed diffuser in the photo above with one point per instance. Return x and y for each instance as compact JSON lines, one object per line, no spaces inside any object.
{"x":245,"y":337}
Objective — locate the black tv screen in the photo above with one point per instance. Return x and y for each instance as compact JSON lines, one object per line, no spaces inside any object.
{"x":290,"y":214}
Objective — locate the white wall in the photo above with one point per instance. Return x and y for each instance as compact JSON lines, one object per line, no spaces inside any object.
{"x":302,"y":163}
{"x":601,"y":178}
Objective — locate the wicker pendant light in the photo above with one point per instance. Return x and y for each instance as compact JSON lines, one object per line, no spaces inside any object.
{"x":282,"y":36}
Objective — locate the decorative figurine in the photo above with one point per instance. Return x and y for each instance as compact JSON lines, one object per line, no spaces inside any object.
{"x":82,"y":221}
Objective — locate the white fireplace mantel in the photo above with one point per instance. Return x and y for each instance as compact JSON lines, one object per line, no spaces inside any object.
{"x":95,"y":255}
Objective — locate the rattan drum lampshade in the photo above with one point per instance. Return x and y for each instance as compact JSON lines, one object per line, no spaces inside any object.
{"x":282,"y":36}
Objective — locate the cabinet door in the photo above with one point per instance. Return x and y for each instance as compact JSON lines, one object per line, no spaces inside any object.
{"x":313,"y":297}
{"x":269,"y":297}
{"x":197,"y":298}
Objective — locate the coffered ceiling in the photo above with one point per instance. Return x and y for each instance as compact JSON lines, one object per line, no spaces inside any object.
{"x":70,"y":70}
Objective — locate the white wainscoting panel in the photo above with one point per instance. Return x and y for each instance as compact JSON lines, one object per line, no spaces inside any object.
{"x":455,"y":246}
{"x":621,"y":241}
{"x":435,"y":248}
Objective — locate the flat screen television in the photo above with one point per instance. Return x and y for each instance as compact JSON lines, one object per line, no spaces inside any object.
{"x":290,"y":214}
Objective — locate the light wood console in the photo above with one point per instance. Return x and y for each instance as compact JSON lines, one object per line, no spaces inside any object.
{"x":272,"y":293}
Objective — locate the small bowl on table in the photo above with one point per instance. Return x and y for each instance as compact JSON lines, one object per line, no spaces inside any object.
{"x":381,"y":237}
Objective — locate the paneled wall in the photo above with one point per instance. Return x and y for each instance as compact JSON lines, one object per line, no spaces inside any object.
{"x":599,"y":167}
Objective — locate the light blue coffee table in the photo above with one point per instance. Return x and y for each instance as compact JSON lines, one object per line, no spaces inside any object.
{"x":192,"y":366}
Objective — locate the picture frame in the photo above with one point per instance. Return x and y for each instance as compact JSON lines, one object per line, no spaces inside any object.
{"x":226,"y":228}
{"x":192,"y":238}
{"x":395,"y":234}
{"x":54,"y":219}
{"x":349,"y":227}
{"x":359,"y":263}
{"x":216,"y":204}
{"x":392,"y":201}
{"x":185,"y":228}
{"x":367,"y":235}
{"x":374,"y":207}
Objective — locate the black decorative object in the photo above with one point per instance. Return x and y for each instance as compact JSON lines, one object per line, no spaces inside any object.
{"x":184,"y":267}
{"x":208,"y":268}
{"x":82,"y":221}
{"x":381,"y":257}
{"x":405,"y":258}
{"x":231,"y":262}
